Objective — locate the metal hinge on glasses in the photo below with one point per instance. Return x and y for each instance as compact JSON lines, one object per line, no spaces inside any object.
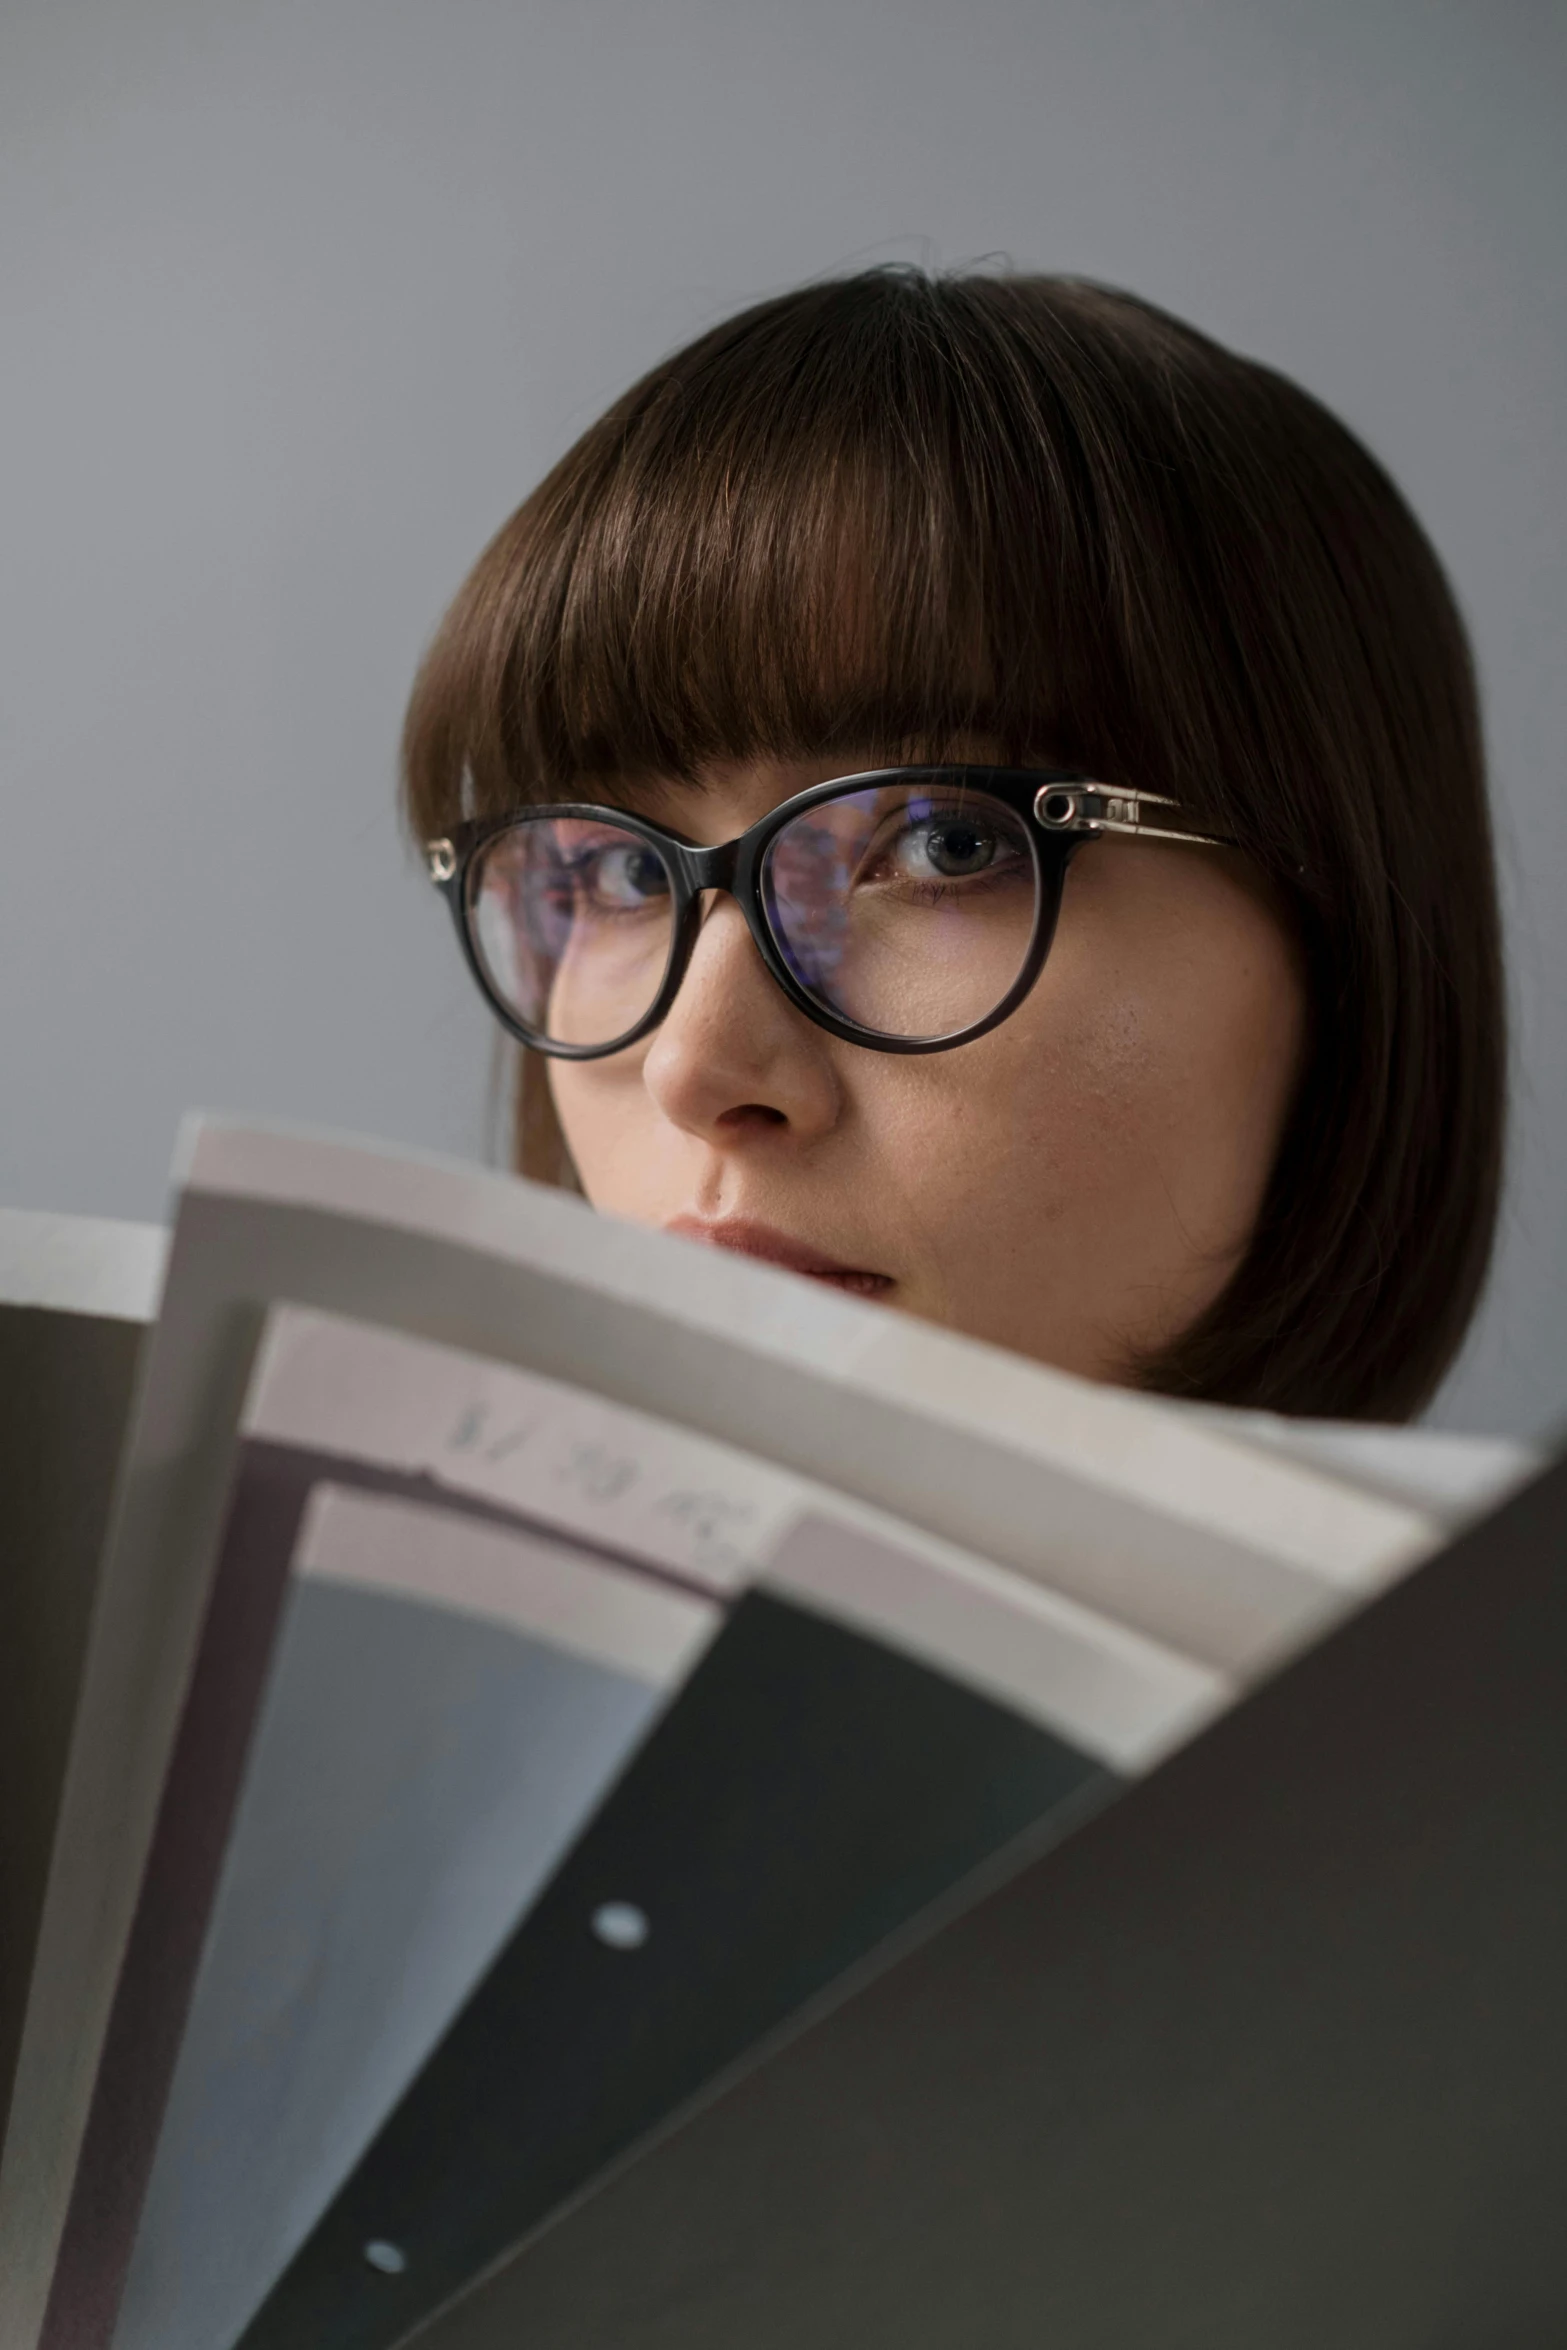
{"x":1093,"y":808}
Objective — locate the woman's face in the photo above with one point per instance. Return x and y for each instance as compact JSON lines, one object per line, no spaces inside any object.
{"x":1077,"y":1185}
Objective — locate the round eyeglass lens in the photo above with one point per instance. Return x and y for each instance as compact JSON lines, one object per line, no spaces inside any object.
{"x":573,"y":923}
{"x":906,"y":908}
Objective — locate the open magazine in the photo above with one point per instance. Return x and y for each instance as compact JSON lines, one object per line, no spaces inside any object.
{"x":527,"y":1662}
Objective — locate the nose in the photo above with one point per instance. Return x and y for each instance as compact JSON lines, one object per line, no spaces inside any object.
{"x":733,"y":1059}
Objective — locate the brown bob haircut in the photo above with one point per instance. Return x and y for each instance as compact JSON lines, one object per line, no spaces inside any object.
{"x":892,"y":511}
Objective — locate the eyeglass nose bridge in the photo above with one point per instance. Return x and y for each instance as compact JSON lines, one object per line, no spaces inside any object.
{"x":704,"y":869}
{"x":729,"y":869}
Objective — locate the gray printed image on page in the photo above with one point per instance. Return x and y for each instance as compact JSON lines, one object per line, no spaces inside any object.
{"x":416,"y":1775}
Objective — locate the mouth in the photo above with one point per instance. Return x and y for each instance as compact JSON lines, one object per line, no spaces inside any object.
{"x":745,"y":1238}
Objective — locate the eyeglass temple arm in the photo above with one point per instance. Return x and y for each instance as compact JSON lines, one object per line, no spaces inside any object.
{"x":1089,"y":809}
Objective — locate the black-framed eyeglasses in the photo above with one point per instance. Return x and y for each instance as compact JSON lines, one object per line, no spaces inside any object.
{"x":908,"y":909}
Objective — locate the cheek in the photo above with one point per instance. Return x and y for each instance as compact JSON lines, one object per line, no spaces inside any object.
{"x":1160,"y":1091}
{"x":605,"y":1117}
{"x":1059,"y":1094}
{"x":1111,"y":1144}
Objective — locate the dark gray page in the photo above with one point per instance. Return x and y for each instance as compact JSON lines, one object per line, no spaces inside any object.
{"x":1272,"y":2055}
{"x":65,"y":1386}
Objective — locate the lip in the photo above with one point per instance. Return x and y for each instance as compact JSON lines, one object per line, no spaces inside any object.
{"x":744,"y":1237}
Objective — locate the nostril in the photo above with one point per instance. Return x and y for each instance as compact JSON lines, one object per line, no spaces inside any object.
{"x":752,"y":1114}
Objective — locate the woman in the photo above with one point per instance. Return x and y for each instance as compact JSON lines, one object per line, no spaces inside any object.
{"x":1136,"y":1003}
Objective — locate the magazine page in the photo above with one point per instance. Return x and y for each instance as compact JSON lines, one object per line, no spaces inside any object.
{"x":486,"y":1584}
{"x":802,"y":1802}
{"x":449,"y":1699}
{"x":1127,"y":1503}
{"x":1451,"y":1475}
{"x":100,"y":1265}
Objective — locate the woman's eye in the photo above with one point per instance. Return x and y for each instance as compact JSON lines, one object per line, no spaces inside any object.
{"x":946,"y":848}
{"x":628,"y":877}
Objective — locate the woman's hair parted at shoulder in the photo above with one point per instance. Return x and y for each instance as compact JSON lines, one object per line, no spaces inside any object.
{"x":909,"y":511}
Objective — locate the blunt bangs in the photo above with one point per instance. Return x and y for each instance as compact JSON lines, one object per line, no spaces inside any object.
{"x":862,"y":519}
{"x":891,"y":515}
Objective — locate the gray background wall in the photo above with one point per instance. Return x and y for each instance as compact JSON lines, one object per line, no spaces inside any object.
{"x":298,"y":299}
